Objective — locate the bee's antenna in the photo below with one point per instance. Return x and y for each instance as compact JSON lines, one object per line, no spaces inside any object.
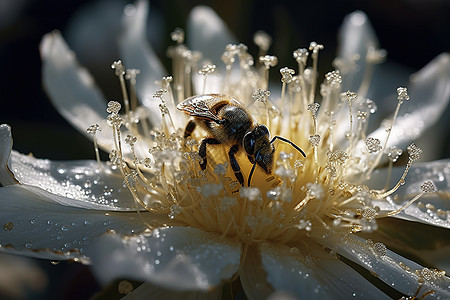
{"x":289,"y":142}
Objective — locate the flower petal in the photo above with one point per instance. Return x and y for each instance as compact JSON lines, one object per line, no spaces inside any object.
{"x":6,"y":176}
{"x":396,"y":271}
{"x":208,"y":33}
{"x":286,"y":272}
{"x":356,"y":37}
{"x":70,"y":87}
{"x":178,"y":258}
{"x":253,"y":277}
{"x":324,"y":277}
{"x":429,"y":90}
{"x":138,"y":54}
{"x":433,"y":208}
{"x":74,"y":183}
{"x":147,"y":290}
{"x":35,"y":226}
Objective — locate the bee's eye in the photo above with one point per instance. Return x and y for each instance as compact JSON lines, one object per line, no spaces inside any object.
{"x":249,"y":143}
{"x":264,"y":129}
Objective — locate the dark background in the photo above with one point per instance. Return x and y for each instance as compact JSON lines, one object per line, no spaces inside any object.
{"x":413,"y":32}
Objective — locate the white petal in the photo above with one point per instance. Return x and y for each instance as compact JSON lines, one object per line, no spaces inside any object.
{"x":396,"y":271}
{"x":70,"y":87}
{"x":138,"y":54}
{"x":177,"y":258}
{"x":74,"y":183}
{"x":429,"y":91}
{"x":438,"y":172}
{"x":6,"y":176}
{"x":286,"y":272}
{"x":149,"y":291}
{"x":253,"y":277}
{"x":208,"y":34}
{"x":342,"y":281}
{"x":356,"y":36}
{"x":35,"y":226}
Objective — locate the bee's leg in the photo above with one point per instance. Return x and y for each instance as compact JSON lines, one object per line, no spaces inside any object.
{"x":234,"y":164}
{"x":202,"y":150}
{"x":190,"y":127}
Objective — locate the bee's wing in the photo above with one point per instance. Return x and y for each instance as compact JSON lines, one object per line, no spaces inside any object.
{"x":200,"y":106}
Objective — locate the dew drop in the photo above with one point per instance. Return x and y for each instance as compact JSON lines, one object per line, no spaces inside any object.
{"x":65,"y":228}
{"x":55,"y":262}
{"x":8,"y":226}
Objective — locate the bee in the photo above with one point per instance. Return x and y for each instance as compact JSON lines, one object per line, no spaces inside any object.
{"x":228,"y":123}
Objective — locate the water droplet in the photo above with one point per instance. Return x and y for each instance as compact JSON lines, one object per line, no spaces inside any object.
{"x":55,"y":262}
{"x":65,"y":228}
{"x":8,"y":226}
{"x":33,"y":221}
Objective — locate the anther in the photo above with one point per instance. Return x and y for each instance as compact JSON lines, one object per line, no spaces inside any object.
{"x":177,"y":35}
{"x":414,"y":152}
{"x":93,"y":130}
{"x":263,"y":41}
{"x":373,"y":144}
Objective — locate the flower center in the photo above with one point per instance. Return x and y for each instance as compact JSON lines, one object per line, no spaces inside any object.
{"x":166,"y":173}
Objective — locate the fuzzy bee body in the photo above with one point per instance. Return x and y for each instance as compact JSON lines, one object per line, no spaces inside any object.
{"x":228,"y":123}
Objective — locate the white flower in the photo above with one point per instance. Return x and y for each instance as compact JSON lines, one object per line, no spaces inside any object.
{"x":316,"y":227}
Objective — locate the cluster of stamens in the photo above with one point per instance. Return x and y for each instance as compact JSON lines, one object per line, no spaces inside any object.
{"x":302,"y":197}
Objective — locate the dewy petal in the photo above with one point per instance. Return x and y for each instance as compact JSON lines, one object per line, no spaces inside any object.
{"x":138,"y":54}
{"x":356,"y":36}
{"x":429,"y":90}
{"x":253,"y":277}
{"x":177,"y":258}
{"x":146,"y":291}
{"x":70,"y":87}
{"x":325,"y":276}
{"x":35,"y":226}
{"x":436,"y":213}
{"x":74,"y":183}
{"x":286,"y":272}
{"x":208,"y":33}
{"x":6,"y":176}
{"x":396,"y":271}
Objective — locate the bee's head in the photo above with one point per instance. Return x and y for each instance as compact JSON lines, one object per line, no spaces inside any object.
{"x":257,"y":145}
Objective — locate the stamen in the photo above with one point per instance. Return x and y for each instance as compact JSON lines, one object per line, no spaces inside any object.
{"x":131,"y":74}
{"x":205,"y":71}
{"x":93,"y":130}
{"x":350,"y":97}
{"x":426,"y":187}
{"x":268,"y":61}
{"x":261,"y":95}
{"x":315,"y":56}
{"x":314,"y":139}
{"x":393,"y":154}
{"x":301,"y":56}
{"x":374,"y":56}
{"x":164,"y":111}
{"x":402,"y":95}
{"x":263,"y":41}
{"x":414,"y":153}
{"x":120,"y":73}
{"x":286,"y":77}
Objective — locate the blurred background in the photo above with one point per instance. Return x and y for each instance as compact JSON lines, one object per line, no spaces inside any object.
{"x":412,"y":31}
